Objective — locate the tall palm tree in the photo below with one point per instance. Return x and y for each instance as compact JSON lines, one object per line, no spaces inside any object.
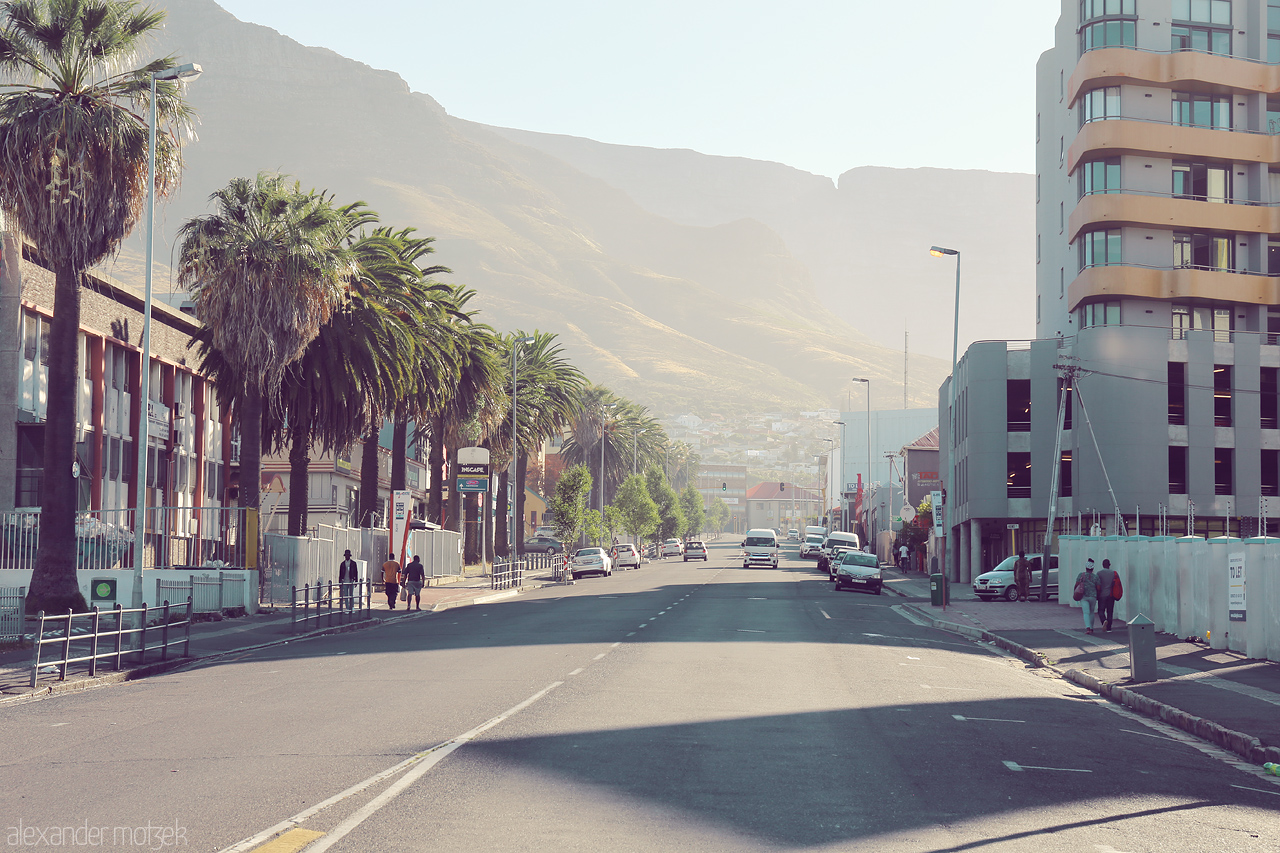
{"x":267,"y":271}
{"x":547,"y":390}
{"x":606,"y":426}
{"x":73,"y":177}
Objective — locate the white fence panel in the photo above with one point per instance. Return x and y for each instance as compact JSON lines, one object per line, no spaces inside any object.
{"x":12,"y":603}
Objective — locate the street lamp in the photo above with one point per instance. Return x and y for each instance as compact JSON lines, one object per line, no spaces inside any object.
{"x":185,"y":73}
{"x":511,"y":525}
{"x":635,"y":450}
{"x":831,"y":450}
{"x":938,"y":252}
{"x":867,"y":382}
{"x":844,"y":514}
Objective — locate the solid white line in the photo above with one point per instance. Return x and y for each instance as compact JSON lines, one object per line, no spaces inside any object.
{"x":1147,"y":734}
{"x":931,"y":687}
{"x":597,"y":657}
{"x":921,"y":665}
{"x":824,"y":613}
{"x":577,"y":671}
{"x":984,"y":720}
{"x":914,"y":639}
{"x":615,"y":645}
{"x":1259,"y":790}
{"x":1012,"y":765}
{"x":749,"y":631}
{"x":432,"y":758}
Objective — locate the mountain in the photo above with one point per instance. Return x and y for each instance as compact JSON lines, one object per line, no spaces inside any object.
{"x":678,"y":302}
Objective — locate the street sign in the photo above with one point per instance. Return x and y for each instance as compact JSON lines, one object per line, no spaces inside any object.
{"x":1011,"y":527}
{"x":936,"y":498}
{"x":473,"y":469}
{"x":473,"y":484}
{"x":1236,"y":587}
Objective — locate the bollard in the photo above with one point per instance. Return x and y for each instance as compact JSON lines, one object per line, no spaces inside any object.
{"x":937,"y":590}
{"x":1142,"y":649}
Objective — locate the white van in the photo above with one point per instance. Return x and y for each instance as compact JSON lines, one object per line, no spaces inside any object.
{"x":760,"y":548}
{"x":811,"y":545}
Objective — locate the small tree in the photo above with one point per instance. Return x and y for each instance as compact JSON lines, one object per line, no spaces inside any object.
{"x":670,"y":516}
{"x":694,"y":513}
{"x":592,"y":526}
{"x":612,"y":521}
{"x":638,"y":512}
{"x":717,"y":515}
{"x":569,"y":503}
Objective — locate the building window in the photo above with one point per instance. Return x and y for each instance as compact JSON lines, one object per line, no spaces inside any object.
{"x":1100,"y":104}
{"x":1223,"y":471}
{"x":1018,"y":483}
{"x":1177,"y":393}
{"x":1099,"y":314}
{"x":1269,"y":398}
{"x":1201,"y":181}
{"x":1270,"y":473}
{"x":1100,"y":248}
{"x":1273,"y":30}
{"x":1217,"y":12}
{"x":1273,"y":326}
{"x":1099,"y":176}
{"x":1196,"y":110}
{"x":1222,"y":396}
{"x":1018,"y":405}
{"x":1107,"y":23}
{"x":1177,"y":470}
{"x":1203,"y":251}
{"x":1064,"y":474}
{"x":1063,"y":386}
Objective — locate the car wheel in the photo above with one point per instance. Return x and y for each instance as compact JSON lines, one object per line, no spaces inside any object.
{"x":1011,"y":593}
{"x":575,"y":575}
{"x":879,"y":590}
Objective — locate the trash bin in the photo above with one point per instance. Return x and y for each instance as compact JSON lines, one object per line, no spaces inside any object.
{"x":937,"y":590}
{"x":1142,"y":649}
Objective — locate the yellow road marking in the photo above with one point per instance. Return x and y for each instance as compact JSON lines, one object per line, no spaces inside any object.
{"x":291,"y":842}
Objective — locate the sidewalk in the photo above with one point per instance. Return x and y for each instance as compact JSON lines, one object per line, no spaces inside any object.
{"x":265,"y":628}
{"x":1221,"y":696}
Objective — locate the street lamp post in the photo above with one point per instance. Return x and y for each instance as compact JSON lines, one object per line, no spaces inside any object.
{"x":515,"y":449}
{"x":635,"y":450}
{"x":867,"y":382}
{"x":185,"y":73}
{"x":831,"y":450}
{"x":844,"y":513}
{"x":938,"y":252}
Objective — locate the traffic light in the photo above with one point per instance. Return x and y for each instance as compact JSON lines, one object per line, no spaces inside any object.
{"x":782,"y":487}
{"x":724,"y":487}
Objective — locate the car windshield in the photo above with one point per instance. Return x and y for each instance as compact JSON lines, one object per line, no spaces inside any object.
{"x":841,"y":541}
{"x":813,"y":539}
{"x":590,"y":552}
{"x":858,"y":558}
{"x":758,"y":541}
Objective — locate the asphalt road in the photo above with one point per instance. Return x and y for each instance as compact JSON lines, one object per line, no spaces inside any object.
{"x":682,"y":707}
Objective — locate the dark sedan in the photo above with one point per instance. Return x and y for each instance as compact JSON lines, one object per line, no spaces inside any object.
{"x":858,"y":570}
{"x":542,"y":545}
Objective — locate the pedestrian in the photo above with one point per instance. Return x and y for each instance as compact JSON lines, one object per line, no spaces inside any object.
{"x":903,"y":553}
{"x":1022,"y":575}
{"x":1106,"y":604}
{"x":1086,"y":592}
{"x":391,"y":579}
{"x":348,"y":577}
{"x":414,"y":577}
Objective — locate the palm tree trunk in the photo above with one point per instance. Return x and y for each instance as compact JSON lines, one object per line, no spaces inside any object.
{"x":300,"y":463}
{"x":54,"y":586}
{"x":455,"y":499}
{"x":435,"y":501}
{"x":399,"y":446}
{"x":501,"y":546}
{"x":369,"y":478}
{"x":522,"y":473}
{"x":251,"y":448}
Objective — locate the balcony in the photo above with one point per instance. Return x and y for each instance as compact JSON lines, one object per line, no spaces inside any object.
{"x":1167,"y":211}
{"x":1117,"y":66}
{"x":1173,"y":283}
{"x":1146,"y":138}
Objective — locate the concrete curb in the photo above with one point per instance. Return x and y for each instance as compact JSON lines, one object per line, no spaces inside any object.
{"x":60,"y":687}
{"x":1246,"y":746}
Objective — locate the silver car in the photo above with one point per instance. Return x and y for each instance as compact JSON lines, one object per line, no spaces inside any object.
{"x":591,"y":561}
{"x":999,"y":583}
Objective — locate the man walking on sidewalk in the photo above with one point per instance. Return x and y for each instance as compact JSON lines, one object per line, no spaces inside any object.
{"x":1022,"y":575}
{"x":348,"y":577}
{"x":391,"y":579}
{"x":1106,"y":604}
{"x":414,"y":577}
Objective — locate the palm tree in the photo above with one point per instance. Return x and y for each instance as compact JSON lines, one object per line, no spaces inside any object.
{"x":73,"y":177}
{"x":267,"y":271}
{"x":622,"y":427}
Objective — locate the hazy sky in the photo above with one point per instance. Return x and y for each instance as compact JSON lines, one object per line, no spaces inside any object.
{"x":822,"y":85}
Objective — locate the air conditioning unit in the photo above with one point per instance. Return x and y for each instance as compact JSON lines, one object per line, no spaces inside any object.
{"x":179,"y":410}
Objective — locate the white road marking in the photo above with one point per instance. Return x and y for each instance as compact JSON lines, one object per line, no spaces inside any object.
{"x":424,"y":761}
{"x":1020,"y":767}
{"x":749,"y":631}
{"x":757,"y":598}
{"x":921,"y":665}
{"x":577,"y":671}
{"x":915,"y":639}
{"x":984,"y":720}
{"x":1259,"y":790}
{"x":55,"y":725}
{"x":824,"y":613}
{"x":615,"y":645}
{"x":1146,"y":734}
{"x":642,"y":624}
{"x":931,"y":687}
{"x":631,"y":634}
{"x":597,"y":657}
{"x":909,"y":657}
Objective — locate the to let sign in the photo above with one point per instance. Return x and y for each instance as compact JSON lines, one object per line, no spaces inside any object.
{"x":1235,"y":587}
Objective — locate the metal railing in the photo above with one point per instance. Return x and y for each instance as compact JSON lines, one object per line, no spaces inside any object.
{"x":175,"y":537}
{"x":508,"y":575}
{"x":340,"y":602}
{"x":87,"y":645}
{"x":210,"y":593}
{"x":13,"y":601}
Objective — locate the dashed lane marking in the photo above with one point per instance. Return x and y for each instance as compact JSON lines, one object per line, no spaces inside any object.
{"x":597,"y":657}
{"x":1013,"y":765}
{"x":577,"y":671}
{"x":824,"y":613}
{"x":615,"y":645}
{"x":983,"y":719}
{"x":749,"y":631}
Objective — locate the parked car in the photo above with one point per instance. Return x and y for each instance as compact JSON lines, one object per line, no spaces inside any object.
{"x":543,"y":545}
{"x":591,"y":561}
{"x":858,"y":570}
{"x":811,"y":546}
{"x":760,"y":548}
{"x":695,"y":551}
{"x":793,"y":535}
{"x":834,"y":545}
{"x":671,"y":548}
{"x":998,"y":583}
{"x":625,"y":556}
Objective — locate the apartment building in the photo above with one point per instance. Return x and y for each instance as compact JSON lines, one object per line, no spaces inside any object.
{"x":1157,"y":291}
